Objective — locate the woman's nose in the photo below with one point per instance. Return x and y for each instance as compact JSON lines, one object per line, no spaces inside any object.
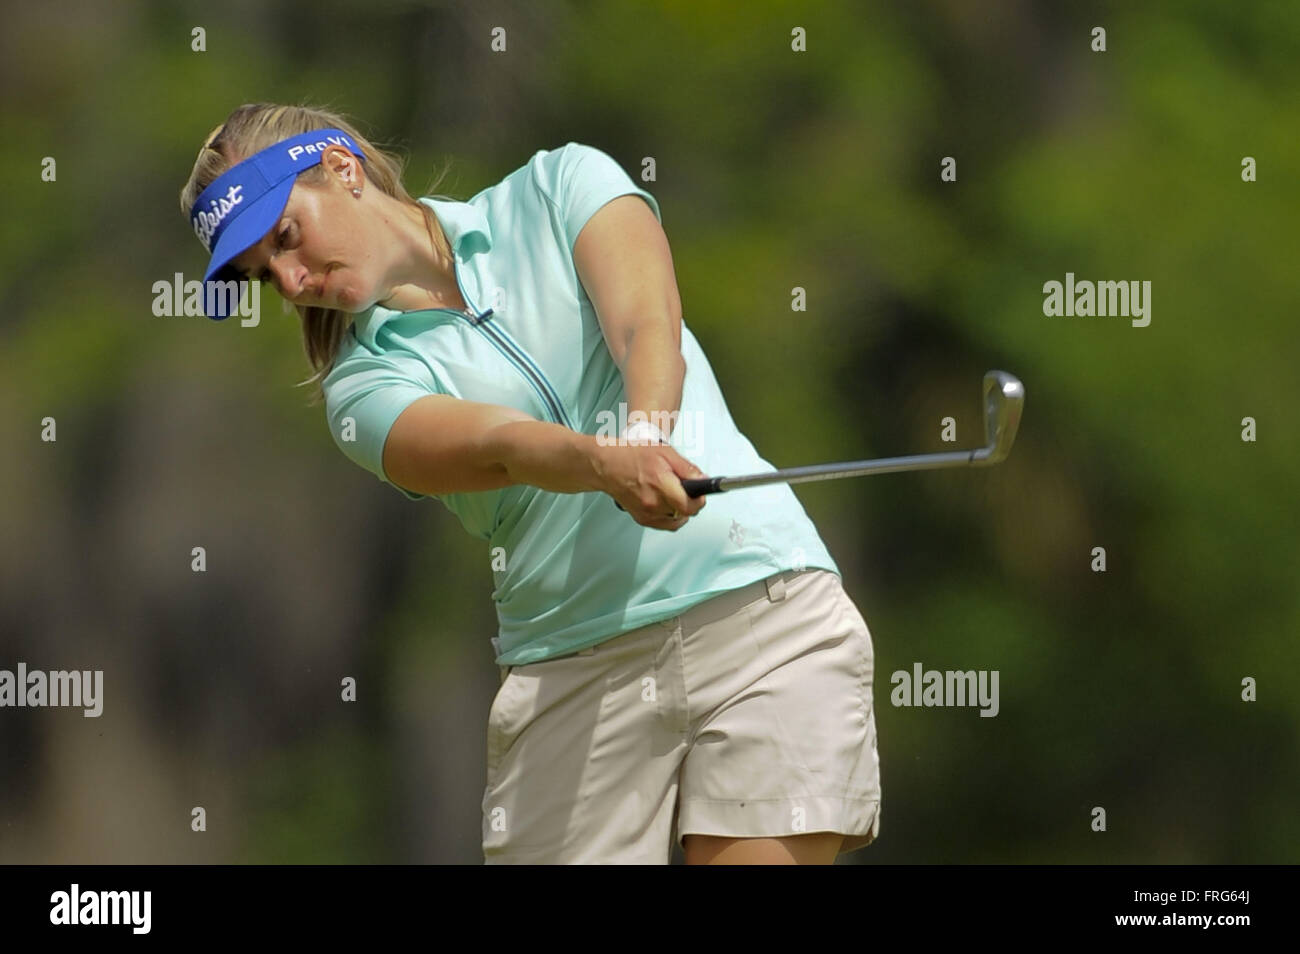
{"x":288,"y":277}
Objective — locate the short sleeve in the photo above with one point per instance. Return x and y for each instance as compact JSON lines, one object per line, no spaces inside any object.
{"x":364,"y":395}
{"x":579,"y":179}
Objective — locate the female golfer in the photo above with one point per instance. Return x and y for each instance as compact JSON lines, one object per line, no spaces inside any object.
{"x":670,"y":671}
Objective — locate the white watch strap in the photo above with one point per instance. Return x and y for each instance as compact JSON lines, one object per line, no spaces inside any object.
{"x":643,"y":432}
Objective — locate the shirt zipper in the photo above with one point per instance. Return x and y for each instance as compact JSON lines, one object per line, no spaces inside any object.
{"x":516,"y":356}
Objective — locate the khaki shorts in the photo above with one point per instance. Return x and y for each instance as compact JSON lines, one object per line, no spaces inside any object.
{"x":747,"y":715}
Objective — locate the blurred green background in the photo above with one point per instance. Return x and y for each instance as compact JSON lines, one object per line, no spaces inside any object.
{"x":775,"y":169}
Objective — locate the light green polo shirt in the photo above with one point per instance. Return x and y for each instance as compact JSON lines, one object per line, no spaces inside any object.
{"x":577,"y":570}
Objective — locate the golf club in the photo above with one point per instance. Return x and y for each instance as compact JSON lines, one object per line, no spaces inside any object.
{"x":1004,"y":400}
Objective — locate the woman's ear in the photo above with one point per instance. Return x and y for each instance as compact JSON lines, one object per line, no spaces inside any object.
{"x":343,"y":166}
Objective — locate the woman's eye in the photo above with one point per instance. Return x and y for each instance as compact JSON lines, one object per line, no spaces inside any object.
{"x":281,"y":238}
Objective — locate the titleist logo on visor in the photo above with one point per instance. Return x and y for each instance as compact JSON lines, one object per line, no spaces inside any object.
{"x":209,"y":215}
{"x":206,"y":221}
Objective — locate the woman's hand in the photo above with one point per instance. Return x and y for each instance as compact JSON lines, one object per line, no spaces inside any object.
{"x":646,"y":481}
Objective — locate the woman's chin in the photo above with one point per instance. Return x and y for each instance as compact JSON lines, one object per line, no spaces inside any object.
{"x":346,"y":300}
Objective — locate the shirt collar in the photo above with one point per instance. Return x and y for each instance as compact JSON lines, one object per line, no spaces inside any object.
{"x":468,"y":233}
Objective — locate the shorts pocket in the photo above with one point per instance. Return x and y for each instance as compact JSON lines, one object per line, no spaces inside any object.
{"x":860,"y":635}
{"x":502,"y":726}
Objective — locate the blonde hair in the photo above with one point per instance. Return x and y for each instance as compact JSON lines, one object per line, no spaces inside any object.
{"x":254,"y":127}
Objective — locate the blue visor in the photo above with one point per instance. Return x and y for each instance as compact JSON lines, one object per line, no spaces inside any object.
{"x":244,"y":203}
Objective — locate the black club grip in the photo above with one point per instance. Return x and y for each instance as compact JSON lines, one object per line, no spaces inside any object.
{"x":695,"y":487}
{"x":699,"y":486}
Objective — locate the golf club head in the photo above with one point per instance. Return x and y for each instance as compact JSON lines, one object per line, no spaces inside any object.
{"x":1004,"y":400}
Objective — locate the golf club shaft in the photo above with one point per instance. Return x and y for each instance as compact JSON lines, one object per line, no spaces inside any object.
{"x":1004,"y":398}
{"x":698,"y":487}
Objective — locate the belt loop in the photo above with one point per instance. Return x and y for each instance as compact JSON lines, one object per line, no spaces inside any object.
{"x":775,"y":588}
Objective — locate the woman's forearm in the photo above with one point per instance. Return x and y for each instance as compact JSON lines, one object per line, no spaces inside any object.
{"x":653,"y":372}
{"x":644,"y":480}
{"x":546,"y":455}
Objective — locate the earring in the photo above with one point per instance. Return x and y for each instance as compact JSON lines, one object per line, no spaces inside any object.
{"x":356,"y":192}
